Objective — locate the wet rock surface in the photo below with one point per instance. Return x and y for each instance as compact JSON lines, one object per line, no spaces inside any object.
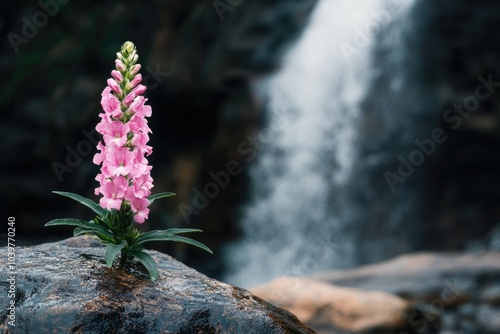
{"x":440,"y":293}
{"x":65,"y":287}
{"x":453,"y":292}
{"x":326,"y":307}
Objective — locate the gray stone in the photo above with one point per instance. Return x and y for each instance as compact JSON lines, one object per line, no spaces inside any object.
{"x":488,"y":319}
{"x":456,"y":292}
{"x":65,"y":287}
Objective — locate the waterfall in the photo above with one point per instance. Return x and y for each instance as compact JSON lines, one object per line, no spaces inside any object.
{"x":298,"y":220}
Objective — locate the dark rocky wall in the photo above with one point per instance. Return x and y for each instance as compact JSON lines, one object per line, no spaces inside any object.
{"x":452,"y":196}
{"x":465,"y":176}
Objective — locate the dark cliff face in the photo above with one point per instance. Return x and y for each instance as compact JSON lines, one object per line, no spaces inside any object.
{"x":428,"y":124}
{"x":465,"y":71}
{"x":201,"y":61}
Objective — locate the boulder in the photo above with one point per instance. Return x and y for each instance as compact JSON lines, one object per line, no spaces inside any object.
{"x":326,"y":307}
{"x":460,"y":292}
{"x":412,"y":293}
{"x":65,"y":287}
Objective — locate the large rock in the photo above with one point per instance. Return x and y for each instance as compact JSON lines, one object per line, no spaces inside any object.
{"x":64,"y":287}
{"x":417,"y":293}
{"x":326,"y":307}
{"x":459,"y":291}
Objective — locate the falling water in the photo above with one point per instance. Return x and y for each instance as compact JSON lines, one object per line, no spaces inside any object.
{"x":297,"y":222}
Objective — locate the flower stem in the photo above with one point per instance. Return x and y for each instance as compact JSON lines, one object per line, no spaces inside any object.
{"x":123,"y":260}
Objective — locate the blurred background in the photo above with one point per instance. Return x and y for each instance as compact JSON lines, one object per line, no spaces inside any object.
{"x":300,"y":135}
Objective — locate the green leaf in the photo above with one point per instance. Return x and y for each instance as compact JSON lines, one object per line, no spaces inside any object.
{"x":174,"y":231}
{"x":158,"y":235}
{"x":169,"y":235}
{"x":190,"y":241}
{"x":85,"y":201}
{"x":154,"y":197}
{"x":102,"y":221}
{"x":80,"y":223}
{"x":67,"y":221}
{"x":147,"y":261}
{"x":112,"y":251}
{"x":82,"y":230}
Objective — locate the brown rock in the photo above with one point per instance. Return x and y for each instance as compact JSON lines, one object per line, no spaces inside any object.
{"x":327,"y":308}
{"x":64,"y":287}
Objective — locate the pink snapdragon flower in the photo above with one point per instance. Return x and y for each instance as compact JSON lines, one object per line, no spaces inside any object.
{"x":116,"y":133}
{"x":125,"y":180}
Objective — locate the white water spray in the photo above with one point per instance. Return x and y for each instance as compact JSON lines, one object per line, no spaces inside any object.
{"x":294,"y":225}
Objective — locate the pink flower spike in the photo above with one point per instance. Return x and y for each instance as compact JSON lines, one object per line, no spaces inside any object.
{"x":117,"y":76}
{"x":125,"y":170}
{"x":114,"y":86}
